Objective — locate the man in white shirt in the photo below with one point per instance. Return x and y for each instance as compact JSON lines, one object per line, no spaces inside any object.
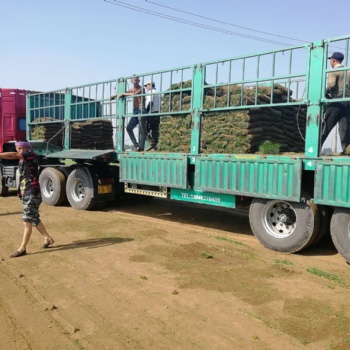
{"x":337,"y":111}
{"x":152,"y":105}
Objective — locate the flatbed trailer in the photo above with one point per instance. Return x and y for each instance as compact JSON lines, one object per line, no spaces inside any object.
{"x":294,"y":198}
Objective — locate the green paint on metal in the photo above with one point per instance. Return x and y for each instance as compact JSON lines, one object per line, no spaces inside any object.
{"x":314,"y":112}
{"x":121,"y":106}
{"x":43,"y":148}
{"x":28,"y":120}
{"x":154,"y":170}
{"x":332,"y":184}
{"x":309,"y":164}
{"x":87,"y":154}
{"x":84,"y":107}
{"x":67,"y":117}
{"x":197,"y":104}
{"x":255,"y":178}
{"x":210,"y":198}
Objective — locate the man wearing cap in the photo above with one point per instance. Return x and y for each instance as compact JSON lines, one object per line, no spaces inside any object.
{"x":337,"y":111}
{"x":29,"y":192}
{"x":152,"y":104}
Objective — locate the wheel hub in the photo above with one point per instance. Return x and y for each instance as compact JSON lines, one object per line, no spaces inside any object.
{"x":78,"y":191}
{"x":287,"y":216}
{"x":279,"y":219}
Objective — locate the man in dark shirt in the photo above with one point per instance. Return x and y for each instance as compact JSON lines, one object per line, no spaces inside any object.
{"x":29,"y":192}
{"x":337,"y":111}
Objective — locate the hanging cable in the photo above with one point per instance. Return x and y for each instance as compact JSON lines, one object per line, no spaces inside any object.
{"x":195,"y":24}
{"x":222,"y":22}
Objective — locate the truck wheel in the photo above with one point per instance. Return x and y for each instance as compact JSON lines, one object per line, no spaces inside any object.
{"x":284,"y":226}
{"x":65,"y":170}
{"x":53,"y":186}
{"x":325,"y":221}
{"x":3,"y":189}
{"x":80,"y":190}
{"x":340,"y":231}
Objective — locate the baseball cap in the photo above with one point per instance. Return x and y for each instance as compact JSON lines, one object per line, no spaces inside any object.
{"x":337,"y":56}
{"x":149,"y":82}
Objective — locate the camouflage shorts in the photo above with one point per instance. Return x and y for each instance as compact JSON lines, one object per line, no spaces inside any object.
{"x":31,"y":209}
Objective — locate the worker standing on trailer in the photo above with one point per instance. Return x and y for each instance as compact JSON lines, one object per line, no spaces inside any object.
{"x":337,"y":111}
{"x":152,"y":104}
{"x":29,"y":192}
{"x":138,"y":103}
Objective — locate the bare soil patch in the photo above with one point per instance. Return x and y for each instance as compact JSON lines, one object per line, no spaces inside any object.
{"x":163,"y":275}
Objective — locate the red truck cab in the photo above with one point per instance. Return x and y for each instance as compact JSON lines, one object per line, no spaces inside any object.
{"x":12,"y":115}
{"x":12,"y":127}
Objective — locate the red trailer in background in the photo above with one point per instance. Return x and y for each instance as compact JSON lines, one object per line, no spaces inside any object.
{"x":12,"y":115}
{"x":12,"y":127}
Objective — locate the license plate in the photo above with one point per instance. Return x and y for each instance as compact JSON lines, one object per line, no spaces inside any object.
{"x":102,"y":189}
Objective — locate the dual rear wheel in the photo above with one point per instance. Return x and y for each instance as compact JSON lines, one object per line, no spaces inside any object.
{"x":293,"y":226}
{"x":60,"y":184}
{"x":53,"y":186}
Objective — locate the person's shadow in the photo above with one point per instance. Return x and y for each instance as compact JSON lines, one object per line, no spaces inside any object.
{"x":87,"y":243}
{"x":11,"y":213}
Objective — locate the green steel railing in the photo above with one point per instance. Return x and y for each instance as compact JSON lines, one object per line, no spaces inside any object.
{"x":194,"y":92}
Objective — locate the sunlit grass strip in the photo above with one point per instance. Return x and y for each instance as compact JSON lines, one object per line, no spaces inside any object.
{"x":326,"y":275}
{"x":229,"y":240}
{"x":284,"y":262}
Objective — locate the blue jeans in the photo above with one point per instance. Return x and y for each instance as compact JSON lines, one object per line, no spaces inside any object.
{"x":133,"y":122}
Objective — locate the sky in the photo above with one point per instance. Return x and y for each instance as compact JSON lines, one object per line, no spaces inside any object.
{"x":53,"y":44}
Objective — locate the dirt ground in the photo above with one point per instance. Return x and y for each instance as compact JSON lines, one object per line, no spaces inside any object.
{"x":163,"y":275}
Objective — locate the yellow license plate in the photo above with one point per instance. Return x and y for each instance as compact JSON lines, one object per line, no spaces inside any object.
{"x":102,"y":189}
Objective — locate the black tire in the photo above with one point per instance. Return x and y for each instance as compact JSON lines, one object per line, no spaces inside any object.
{"x":284,"y":226}
{"x":340,"y":231}
{"x":325,"y":222}
{"x":65,"y":170}
{"x":53,"y":186}
{"x":80,"y":189}
{"x":4,"y":190}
